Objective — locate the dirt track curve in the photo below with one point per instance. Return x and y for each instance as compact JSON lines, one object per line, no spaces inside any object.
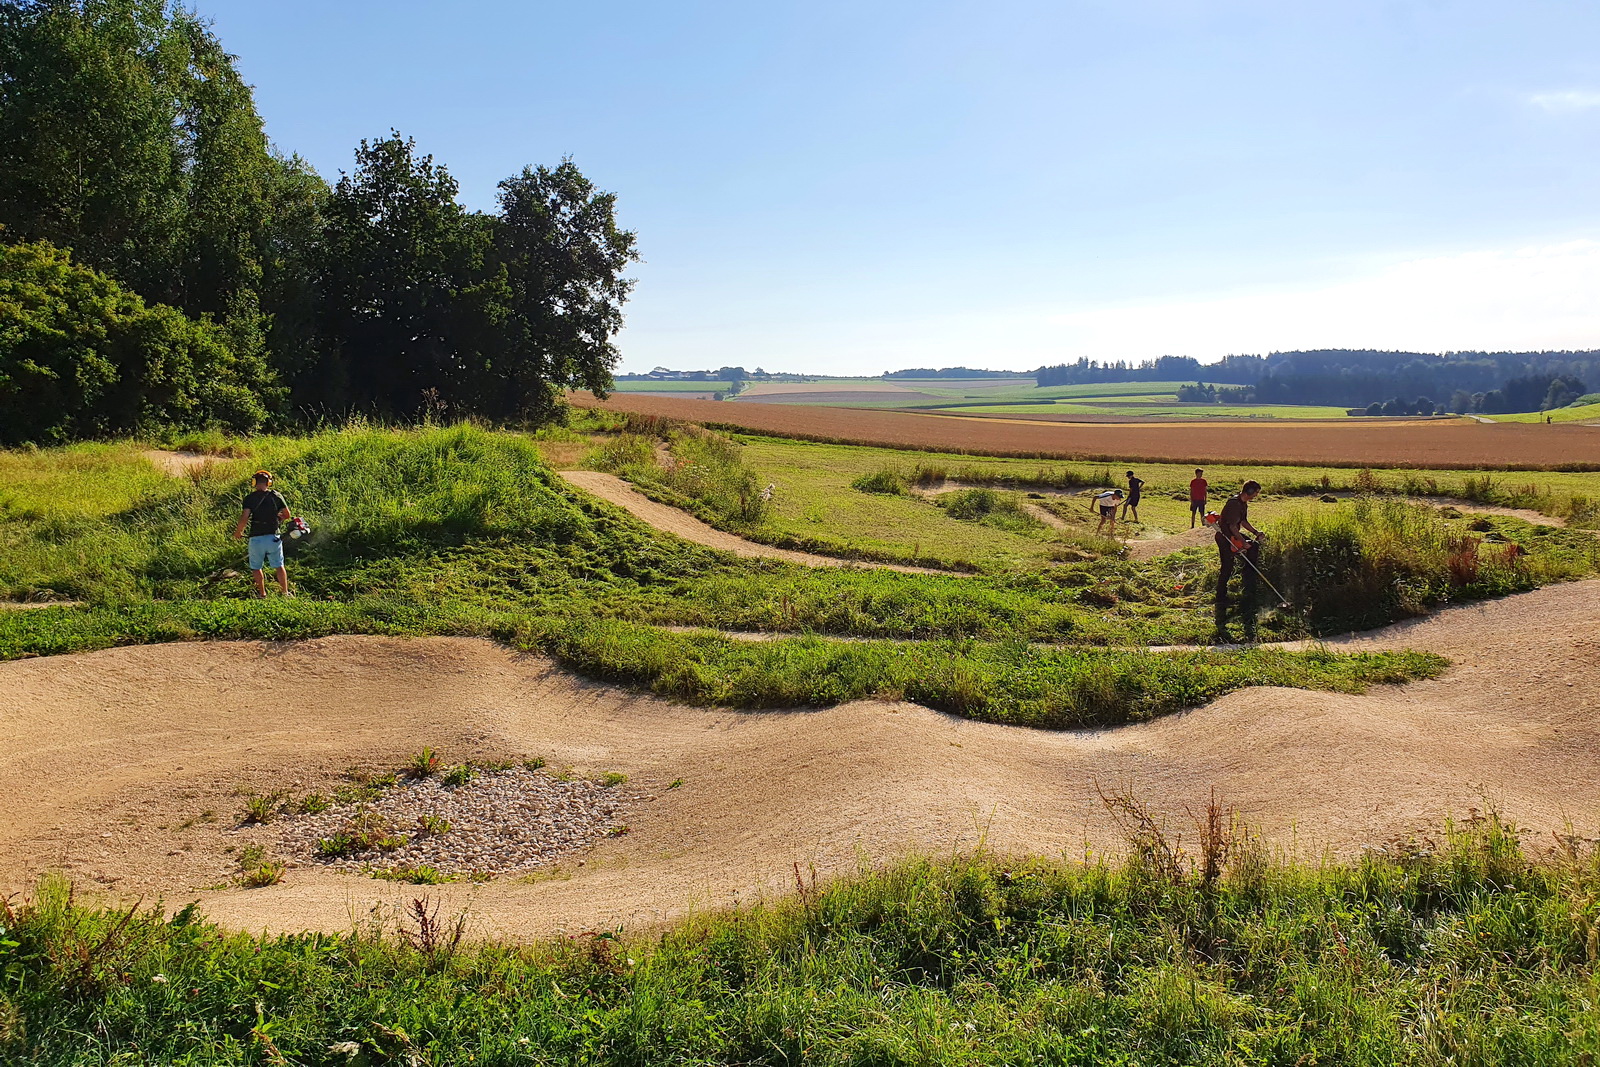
{"x":112,"y":753}
{"x":675,"y":521}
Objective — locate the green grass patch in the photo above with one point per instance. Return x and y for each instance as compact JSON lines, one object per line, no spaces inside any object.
{"x":1473,"y":951}
{"x":1580,"y":413}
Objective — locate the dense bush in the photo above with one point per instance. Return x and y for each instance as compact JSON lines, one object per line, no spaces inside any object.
{"x":80,"y":356}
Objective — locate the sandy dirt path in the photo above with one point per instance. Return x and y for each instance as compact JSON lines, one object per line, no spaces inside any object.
{"x":179,"y":464}
{"x":674,"y":521}
{"x":116,"y":757}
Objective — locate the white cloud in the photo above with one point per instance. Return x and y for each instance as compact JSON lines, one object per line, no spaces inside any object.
{"x":1566,"y":100}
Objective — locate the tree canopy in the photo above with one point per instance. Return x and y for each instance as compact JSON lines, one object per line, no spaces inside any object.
{"x":128,"y":136}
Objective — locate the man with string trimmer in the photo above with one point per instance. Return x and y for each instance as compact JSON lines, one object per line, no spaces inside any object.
{"x":1232,"y":545}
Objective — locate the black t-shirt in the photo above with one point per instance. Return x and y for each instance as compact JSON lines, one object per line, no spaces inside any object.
{"x":264,"y":505}
{"x":1134,"y":486}
{"x":1235,"y":513}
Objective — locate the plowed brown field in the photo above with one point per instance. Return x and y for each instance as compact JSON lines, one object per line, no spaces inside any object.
{"x":1442,"y":444}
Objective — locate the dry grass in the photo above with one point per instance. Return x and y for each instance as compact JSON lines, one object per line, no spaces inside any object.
{"x":1452,"y":445}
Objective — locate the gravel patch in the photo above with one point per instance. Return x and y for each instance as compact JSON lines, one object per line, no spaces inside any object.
{"x":499,"y":822}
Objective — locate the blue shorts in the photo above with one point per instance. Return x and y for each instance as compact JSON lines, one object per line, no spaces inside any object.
{"x":266,"y":551}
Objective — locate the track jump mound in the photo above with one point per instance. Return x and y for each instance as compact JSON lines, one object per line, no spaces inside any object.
{"x":129,"y":768}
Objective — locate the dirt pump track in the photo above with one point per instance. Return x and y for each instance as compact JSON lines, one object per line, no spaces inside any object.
{"x":112,"y":752}
{"x":1444,"y":444}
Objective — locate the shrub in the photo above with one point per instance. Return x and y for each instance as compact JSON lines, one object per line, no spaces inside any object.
{"x":890,"y":481}
{"x":80,"y":356}
{"x":1001,"y":510}
{"x":704,"y":472}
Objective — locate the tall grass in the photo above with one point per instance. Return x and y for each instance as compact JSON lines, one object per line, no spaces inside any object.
{"x":1383,"y":558}
{"x":702,"y":472}
{"x":894,"y":478}
{"x":1003,"y":511}
{"x":1474,"y":951}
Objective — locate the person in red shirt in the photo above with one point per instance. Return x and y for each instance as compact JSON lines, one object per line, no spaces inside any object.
{"x":1198,"y":486}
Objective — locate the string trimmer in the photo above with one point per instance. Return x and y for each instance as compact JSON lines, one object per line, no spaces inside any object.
{"x":1243,"y":553}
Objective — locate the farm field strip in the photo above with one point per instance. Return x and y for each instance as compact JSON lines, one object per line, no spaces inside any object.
{"x":1433,"y":444}
{"x":1161,"y":407}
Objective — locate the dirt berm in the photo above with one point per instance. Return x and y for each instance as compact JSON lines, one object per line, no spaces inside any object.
{"x":116,"y":758}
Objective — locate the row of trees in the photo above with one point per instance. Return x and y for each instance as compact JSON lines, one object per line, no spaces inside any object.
{"x":1507,"y":381}
{"x":128,"y":136}
{"x":1204,"y":393}
{"x":1532,"y":393}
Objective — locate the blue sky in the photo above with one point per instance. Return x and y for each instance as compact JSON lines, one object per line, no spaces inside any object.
{"x":852,"y":188}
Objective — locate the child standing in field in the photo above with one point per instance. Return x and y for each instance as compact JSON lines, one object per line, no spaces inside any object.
{"x":1135,"y":486}
{"x":1107,"y":501}
{"x":264,"y":509}
{"x":1198,"y":488}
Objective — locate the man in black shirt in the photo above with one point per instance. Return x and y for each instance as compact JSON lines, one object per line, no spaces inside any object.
{"x":264,"y":509}
{"x":1231,"y":543}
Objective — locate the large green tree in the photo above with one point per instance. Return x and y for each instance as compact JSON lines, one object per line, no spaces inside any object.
{"x":559,"y":255}
{"x":127,"y":135}
{"x":81,"y":356}
{"x":399,"y":255}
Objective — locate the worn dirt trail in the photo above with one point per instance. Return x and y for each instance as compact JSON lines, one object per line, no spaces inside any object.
{"x":116,"y":758}
{"x":179,"y":464}
{"x":674,"y":521}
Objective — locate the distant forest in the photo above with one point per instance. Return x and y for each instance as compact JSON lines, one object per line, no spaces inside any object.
{"x":1490,"y":382}
{"x":161,"y":264}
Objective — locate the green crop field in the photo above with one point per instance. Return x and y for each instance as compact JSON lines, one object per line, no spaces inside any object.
{"x":1582,"y":413}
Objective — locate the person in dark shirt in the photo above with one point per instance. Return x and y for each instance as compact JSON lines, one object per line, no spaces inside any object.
{"x":264,"y":509}
{"x":1231,"y":543}
{"x":1135,"y":486}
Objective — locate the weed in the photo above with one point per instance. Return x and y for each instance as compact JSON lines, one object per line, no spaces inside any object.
{"x":262,"y":807}
{"x":424,"y":763}
{"x":617,"y":831}
{"x":437,"y":940}
{"x":314,"y":804}
{"x":433,"y":824}
{"x":420,"y":874}
{"x":887,"y":480}
{"x":257,"y":869}
{"x":459,"y":775}
{"x":366,"y":830}
{"x":675,"y":783}
{"x":612,"y":778}
{"x":535,"y":763}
